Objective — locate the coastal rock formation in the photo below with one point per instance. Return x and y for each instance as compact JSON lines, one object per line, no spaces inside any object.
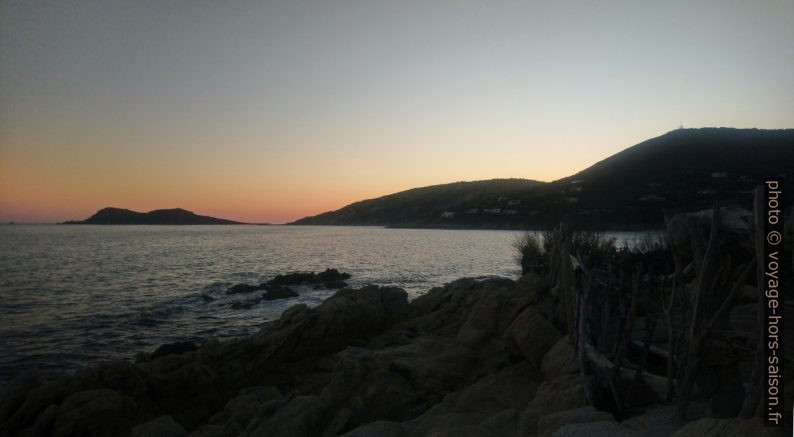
{"x":278,"y":292}
{"x":474,"y":358}
{"x":277,"y":288}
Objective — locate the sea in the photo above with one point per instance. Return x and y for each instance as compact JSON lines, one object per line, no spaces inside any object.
{"x":72,"y":295}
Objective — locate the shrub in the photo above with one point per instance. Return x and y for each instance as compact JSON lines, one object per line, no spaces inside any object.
{"x":531,"y":248}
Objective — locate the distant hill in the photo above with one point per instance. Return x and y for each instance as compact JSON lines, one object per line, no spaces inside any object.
{"x":682,"y":169}
{"x":424,"y":206}
{"x":176,"y":216}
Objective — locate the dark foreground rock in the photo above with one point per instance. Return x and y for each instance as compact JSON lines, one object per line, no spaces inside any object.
{"x":474,"y":358}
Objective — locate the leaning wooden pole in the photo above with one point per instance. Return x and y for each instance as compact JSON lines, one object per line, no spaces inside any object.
{"x":702,"y":281}
{"x":753,"y":395}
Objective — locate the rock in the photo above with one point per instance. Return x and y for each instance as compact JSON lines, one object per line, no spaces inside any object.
{"x":663,"y":420}
{"x":190,"y":393}
{"x":531,"y":335}
{"x":44,"y":423}
{"x":594,"y":429}
{"x":747,"y":293}
{"x":17,"y":392}
{"x":710,"y":427}
{"x":560,"y":394}
{"x":213,"y":431}
{"x":480,"y":403}
{"x":560,"y":359}
{"x":177,"y":348}
{"x":244,"y":288}
{"x":349,"y":317}
{"x":378,"y":428}
{"x":489,"y":316}
{"x":296,"y":278}
{"x":363,"y":361}
{"x":330,"y":278}
{"x":533,"y":285}
{"x":38,"y":399}
{"x":301,"y":416}
{"x":503,"y":423}
{"x":548,"y":425}
{"x":36,"y":411}
{"x":392,"y":384}
{"x":163,"y":426}
{"x":335,"y":284}
{"x":331,"y":275}
{"x":94,"y":412}
{"x":278,"y":292}
{"x":241,"y":410}
{"x":142,"y":357}
{"x":466,"y":430}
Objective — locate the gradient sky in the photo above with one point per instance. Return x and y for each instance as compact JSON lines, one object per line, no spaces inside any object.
{"x":269,"y":111}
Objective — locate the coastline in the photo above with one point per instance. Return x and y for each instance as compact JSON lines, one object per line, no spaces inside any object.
{"x":470,"y":358}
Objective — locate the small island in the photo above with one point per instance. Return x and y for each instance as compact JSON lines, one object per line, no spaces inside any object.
{"x":175,"y":216}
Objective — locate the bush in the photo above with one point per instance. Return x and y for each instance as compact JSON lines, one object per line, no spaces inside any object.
{"x":531,"y":248}
{"x":595,"y":248}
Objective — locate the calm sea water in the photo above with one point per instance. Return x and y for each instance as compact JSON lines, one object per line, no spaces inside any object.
{"x":73,"y":295}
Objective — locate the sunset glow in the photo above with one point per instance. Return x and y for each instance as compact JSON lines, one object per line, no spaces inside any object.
{"x":268,"y":113}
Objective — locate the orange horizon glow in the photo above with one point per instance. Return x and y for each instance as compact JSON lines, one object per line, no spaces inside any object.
{"x":272,"y":111}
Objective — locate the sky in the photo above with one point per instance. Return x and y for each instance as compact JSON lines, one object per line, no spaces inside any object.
{"x":268,"y":111}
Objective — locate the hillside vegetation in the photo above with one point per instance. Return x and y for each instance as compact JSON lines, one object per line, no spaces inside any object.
{"x":680,"y":170}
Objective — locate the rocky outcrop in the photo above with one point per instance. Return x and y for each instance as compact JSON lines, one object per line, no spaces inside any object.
{"x":474,"y":358}
{"x":163,"y":426}
{"x":711,"y":427}
{"x":277,"y":288}
{"x":278,"y":292}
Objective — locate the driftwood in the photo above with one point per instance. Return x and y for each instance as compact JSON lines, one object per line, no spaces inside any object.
{"x":704,"y":277}
{"x":598,"y":305}
{"x":657,"y":383}
{"x":753,"y":395}
{"x":650,"y":329}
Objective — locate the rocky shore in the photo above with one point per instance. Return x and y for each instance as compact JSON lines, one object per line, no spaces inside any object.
{"x":472,"y":358}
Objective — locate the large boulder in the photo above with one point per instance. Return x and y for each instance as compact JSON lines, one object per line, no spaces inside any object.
{"x":94,"y":412}
{"x":163,"y":426}
{"x":664,"y":420}
{"x":330,"y":275}
{"x":278,"y":292}
{"x":560,"y":359}
{"x":177,"y":348}
{"x":604,"y":428}
{"x":710,"y":427}
{"x":300,"y":416}
{"x":244,"y":288}
{"x":562,"y":393}
{"x":17,"y":391}
{"x":549,"y":424}
{"x":190,"y":393}
{"x":492,"y":403}
{"x":532,"y":335}
{"x":241,"y":410}
{"x":378,"y":428}
{"x":349,"y":317}
{"x":36,"y":411}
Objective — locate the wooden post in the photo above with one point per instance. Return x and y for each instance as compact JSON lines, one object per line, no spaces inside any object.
{"x":753,"y":394}
{"x":703,"y":279}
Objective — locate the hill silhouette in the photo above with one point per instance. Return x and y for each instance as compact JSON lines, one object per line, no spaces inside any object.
{"x":682,"y":169}
{"x":423,"y":206}
{"x":175,"y":216}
